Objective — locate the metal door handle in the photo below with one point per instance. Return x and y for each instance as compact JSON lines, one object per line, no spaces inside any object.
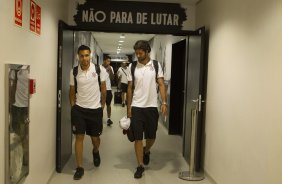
{"x":199,"y":101}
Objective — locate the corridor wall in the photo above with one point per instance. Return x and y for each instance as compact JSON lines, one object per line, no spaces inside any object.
{"x":20,"y":46}
{"x":244,"y":101}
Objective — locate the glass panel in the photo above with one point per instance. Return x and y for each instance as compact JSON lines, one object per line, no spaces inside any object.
{"x":18,"y":123}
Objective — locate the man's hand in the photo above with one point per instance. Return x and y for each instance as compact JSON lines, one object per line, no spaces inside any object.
{"x":164,"y":109}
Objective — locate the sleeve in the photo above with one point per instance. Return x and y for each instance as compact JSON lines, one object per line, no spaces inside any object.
{"x":71,"y":78}
{"x":160,"y":72}
{"x":129,"y":76}
{"x":103,"y":74}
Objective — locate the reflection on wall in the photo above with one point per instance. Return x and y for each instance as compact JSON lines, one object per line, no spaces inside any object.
{"x":161,"y":50}
{"x":18,"y":123}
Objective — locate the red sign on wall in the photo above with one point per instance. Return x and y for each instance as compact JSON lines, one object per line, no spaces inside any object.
{"x":38,"y":19}
{"x":19,"y":12}
{"x":32,"y":16}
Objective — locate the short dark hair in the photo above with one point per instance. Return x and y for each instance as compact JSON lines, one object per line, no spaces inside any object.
{"x":106,"y":57}
{"x":83,"y":47}
{"x":143,"y":45}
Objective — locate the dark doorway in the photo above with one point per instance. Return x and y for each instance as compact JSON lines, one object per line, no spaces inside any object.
{"x":177,"y":87}
{"x":64,"y":130}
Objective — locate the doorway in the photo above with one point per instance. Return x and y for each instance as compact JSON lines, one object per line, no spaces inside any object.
{"x":64,"y":135}
{"x":177,"y":87}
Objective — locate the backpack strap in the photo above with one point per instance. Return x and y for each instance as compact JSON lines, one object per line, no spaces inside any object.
{"x":123,"y":71}
{"x":75,"y":72}
{"x":134,"y":64}
{"x":156,"y":66}
{"x":98,"y":71}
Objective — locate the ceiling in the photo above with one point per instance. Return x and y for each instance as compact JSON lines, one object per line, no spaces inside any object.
{"x":108,"y":42}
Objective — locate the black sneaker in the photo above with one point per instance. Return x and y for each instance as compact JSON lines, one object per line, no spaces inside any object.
{"x":109,"y":122}
{"x":146,"y":157}
{"x":78,"y":173}
{"x":123,"y":105}
{"x":96,"y":159}
{"x":139,"y":171}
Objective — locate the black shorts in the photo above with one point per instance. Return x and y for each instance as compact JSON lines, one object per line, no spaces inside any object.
{"x":123,"y":87}
{"x":144,"y":120}
{"x":109,"y":97}
{"x":87,"y":121}
{"x":19,"y":120}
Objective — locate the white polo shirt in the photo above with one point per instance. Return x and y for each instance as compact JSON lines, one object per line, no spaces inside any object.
{"x":88,"y":91}
{"x":108,"y":79}
{"x":123,"y":73}
{"x":145,"y":91}
{"x":22,"y":88}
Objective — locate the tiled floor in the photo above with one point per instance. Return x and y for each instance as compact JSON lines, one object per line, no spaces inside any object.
{"x":118,"y":161}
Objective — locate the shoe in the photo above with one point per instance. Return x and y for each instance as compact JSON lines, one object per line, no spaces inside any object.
{"x":78,"y":173}
{"x":123,"y":105}
{"x":109,"y":122}
{"x":96,"y":159}
{"x":139,"y":171}
{"x":146,"y":157}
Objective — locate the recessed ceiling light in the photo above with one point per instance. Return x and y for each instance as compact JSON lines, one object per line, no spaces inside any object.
{"x":122,"y":36}
{"x":121,"y":41}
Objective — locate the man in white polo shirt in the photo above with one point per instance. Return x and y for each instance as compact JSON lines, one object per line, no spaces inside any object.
{"x":122,"y":77}
{"x":142,"y":102}
{"x":109,"y":76}
{"x":87,"y":106}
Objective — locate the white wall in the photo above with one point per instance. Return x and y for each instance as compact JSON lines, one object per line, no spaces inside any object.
{"x":244,"y":95}
{"x":20,"y":46}
{"x":162,"y":50}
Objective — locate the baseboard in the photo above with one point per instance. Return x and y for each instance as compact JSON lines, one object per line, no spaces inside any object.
{"x":51,"y":176}
{"x":210,"y":178}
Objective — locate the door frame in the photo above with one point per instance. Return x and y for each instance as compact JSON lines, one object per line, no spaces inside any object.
{"x":63,"y":26}
{"x":174,"y":88}
{"x":59,"y":165}
{"x":199,"y":150}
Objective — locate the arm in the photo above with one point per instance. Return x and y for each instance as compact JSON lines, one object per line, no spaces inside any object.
{"x":111,"y":73}
{"x":72,"y":96}
{"x":103,"y":94}
{"x":163,"y":95}
{"x":129,"y":98}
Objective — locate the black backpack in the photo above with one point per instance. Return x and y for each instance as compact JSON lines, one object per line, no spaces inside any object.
{"x":134,"y":64}
{"x":75,"y":71}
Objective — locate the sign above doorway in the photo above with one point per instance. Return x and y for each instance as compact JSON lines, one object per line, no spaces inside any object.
{"x":133,"y":16}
